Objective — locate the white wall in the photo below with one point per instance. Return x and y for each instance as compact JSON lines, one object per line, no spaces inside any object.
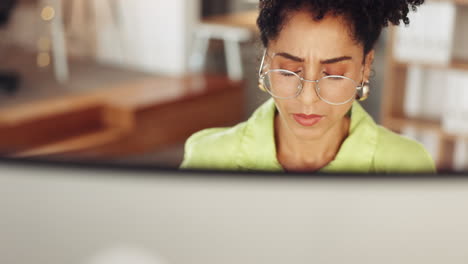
{"x":155,"y":34}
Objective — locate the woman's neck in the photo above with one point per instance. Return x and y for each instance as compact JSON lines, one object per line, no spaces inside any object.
{"x":296,"y":154}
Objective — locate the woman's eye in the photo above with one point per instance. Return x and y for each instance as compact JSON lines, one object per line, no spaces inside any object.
{"x":289,"y":73}
{"x":286,"y":74}
{"x":332,"y":74}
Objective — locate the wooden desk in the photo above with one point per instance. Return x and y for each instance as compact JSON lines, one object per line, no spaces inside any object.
{"x":133,"y":118}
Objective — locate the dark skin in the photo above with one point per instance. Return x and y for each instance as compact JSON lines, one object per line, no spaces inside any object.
{"x":313,"y":50}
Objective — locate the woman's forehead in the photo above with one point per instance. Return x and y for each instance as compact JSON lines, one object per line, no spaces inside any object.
{"x":306,"y":38}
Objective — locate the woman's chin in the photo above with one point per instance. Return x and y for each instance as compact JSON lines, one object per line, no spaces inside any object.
{"x":308,"y":133}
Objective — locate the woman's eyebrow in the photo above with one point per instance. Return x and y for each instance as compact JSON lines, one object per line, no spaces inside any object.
{"x":327,"y":61}
{"x":289,"y":56}
{"x":335,"y":60}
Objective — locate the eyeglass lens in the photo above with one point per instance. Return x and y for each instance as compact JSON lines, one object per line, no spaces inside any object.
{"x":285,"y":84}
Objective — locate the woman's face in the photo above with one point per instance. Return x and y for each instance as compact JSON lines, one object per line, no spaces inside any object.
{"x":314,"y":50}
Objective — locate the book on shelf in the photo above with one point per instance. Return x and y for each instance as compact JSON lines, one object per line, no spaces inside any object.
{"x":438,"y":95}
{"x":413,"y":92}
{"x":433,"y":93}
{"x":429,"y":37}
{"x":424,"y":93}
{"x":455,"y":110}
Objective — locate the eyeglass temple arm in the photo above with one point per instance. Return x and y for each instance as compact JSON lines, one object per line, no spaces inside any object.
{"x":261,"y":64}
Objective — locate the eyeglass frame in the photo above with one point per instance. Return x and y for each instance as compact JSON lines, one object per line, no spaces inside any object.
{"x":317,"y":88}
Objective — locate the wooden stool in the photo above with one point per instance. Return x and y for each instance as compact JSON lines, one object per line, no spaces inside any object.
{"x":233,"y":30}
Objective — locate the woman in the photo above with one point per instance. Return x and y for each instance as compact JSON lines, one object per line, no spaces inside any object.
{"x":317,"y":62}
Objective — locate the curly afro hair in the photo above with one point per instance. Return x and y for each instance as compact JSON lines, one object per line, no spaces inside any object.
{"x":366,"y":18}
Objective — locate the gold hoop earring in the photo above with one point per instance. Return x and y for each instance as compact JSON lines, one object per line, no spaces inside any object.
{"x":363,"y":92}
{"x":261,"y":85}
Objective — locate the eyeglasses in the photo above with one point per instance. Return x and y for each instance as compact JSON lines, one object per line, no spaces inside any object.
{"x":284,"y":84}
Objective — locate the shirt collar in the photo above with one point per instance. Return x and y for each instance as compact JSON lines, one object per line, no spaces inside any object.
{"x":357,"y":151}
{"x":258,"y":142}
{"x":355,"y":155}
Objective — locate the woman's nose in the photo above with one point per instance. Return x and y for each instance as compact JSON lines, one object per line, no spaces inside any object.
{"x":309,"y":94}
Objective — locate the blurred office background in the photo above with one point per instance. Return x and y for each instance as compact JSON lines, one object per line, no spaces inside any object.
{"x":128,"y":81}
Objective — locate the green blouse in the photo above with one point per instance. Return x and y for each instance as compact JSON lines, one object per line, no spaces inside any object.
{"x":250,"y":145}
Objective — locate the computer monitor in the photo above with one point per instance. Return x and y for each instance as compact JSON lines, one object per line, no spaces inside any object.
{"x":55,"y":214}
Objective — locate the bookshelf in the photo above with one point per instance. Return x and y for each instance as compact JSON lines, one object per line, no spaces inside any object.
{"x":393,"y":115}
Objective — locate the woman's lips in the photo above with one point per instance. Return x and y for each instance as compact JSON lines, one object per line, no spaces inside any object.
{"x":307,"y":120}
